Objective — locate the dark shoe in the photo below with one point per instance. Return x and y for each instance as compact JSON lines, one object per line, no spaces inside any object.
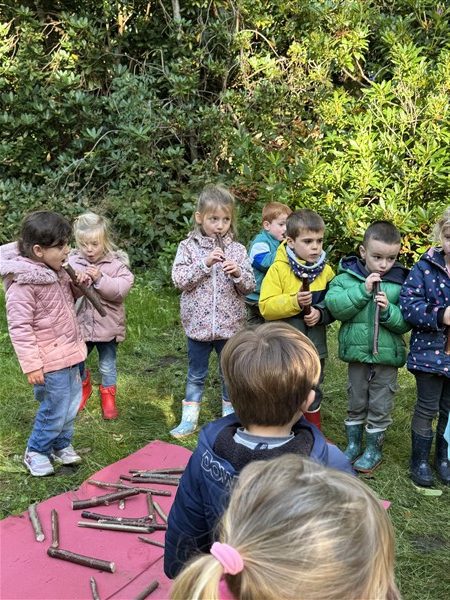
{"x":420,"y":469}
{"x":108,"y":399}
{"x":441,"y":461}
{"x":86,"y":387}
{"x":371,"y":457}
{"x":354,"y":439}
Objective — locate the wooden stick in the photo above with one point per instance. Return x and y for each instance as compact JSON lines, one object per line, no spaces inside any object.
{"x":160,"y":511}
{"x":147,"y":591}
{"x":447,"y":341}
{"x":89,"y":292}
{"x":121,"y":504}
{"x":219,"y":242}
{"x":36,"y":523}
{"x":80,"y":559}
{"x":116,"y":527}
{"x":123,"y":486}
{"x":150,"y":480}
{"x":94,"y":589}
{"x":98,"y":517}
{"x":305,"y":288}
{"x":150,"y":507}
{"x":376,"y":320}
{"x":175,"y":470}
{"x":149,"y":541}
{"x":105,"y":500}
{"x":149,"y":475}
{"x":55,"y":528}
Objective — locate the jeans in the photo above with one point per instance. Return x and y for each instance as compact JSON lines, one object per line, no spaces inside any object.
{"x":198,"y":355}
{"x":59,"y":399}
{"x":433,"y":396}
{"x":107,"y":352}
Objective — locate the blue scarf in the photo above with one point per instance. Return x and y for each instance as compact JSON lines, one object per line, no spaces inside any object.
{"x":299,"y":269}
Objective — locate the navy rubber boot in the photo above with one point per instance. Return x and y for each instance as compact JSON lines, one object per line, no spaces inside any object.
{"x":441,"y":461}
{"x":420,"y":469}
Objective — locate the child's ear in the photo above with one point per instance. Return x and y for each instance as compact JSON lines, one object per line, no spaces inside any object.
{"x":362,"y":252}
{"x":198,"y":218}
{"x":266,"y":225}
{"x":309,"y":400}
{"x":37,"y":251}
{"x":290,"y":242}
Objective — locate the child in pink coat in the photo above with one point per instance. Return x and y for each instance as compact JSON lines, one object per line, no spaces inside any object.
{"x":109,"y":271}
{"x":214,"y":274}
{"x":45,"y":335}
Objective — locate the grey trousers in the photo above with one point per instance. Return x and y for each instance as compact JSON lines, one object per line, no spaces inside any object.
{"x":370,"y":393}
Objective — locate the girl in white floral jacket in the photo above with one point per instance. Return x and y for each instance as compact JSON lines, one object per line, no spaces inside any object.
{"x":214,"y":275}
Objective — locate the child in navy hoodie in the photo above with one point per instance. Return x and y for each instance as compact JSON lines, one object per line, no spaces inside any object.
{"x":271,"y":373}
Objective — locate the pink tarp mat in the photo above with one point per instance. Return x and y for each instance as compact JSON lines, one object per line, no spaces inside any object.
{"x":28,"y":573}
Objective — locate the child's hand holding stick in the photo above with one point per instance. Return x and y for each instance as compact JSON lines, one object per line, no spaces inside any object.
{"x":305,"y":288}
{"x":90,"y":294}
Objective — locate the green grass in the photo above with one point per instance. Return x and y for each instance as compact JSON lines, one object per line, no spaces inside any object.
{"x":152,"y":365}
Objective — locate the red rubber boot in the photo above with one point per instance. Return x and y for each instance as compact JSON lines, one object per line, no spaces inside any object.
{"x":314,"y":418}
{"x":108,"y":399}
{"x":86,"y":390}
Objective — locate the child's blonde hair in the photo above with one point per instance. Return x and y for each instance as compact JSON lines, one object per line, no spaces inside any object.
{"x":91,"y":226}
{"x":304,"y":532}
{"x":217,"y":196}
{"x":441,"y":225}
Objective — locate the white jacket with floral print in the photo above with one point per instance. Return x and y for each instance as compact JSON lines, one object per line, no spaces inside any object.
{"x":212,"y":303}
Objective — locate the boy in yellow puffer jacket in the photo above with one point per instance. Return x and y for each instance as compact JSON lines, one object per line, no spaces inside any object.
{"x":283,"y":296}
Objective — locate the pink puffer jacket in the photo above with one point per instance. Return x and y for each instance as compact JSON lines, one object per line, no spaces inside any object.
{"x":112,"y":287}
{"x":212,"y":303}
{"x":40,"y":311}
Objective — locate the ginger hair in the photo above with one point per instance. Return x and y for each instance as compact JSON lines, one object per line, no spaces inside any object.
{"x":273,"y":210}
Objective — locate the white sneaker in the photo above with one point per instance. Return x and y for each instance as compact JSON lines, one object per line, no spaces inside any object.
{"x":39,"y":465}
{"x":67,"y":456}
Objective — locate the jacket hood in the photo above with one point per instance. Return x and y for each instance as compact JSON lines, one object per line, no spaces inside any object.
{"x":208,"y":435}
{"x":435,"y":256}
{"x":24,"y":270}
{"x":353,"y":264}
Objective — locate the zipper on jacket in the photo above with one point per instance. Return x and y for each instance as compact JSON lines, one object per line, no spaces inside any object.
{"x":214,"y":301}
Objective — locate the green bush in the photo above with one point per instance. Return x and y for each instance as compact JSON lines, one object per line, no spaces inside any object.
{"x":126,"y":109}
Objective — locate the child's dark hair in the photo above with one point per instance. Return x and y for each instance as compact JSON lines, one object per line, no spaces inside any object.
{"x":382,"y":231}
{"x":45,"y":228}
{"x":269,"y":372}
{"x":303,"y":220}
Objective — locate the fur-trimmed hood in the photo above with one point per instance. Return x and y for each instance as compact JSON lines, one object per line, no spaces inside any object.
{"x":22,"y":270}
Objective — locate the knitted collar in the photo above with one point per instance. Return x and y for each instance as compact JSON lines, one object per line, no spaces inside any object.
{"x":301,"y":269}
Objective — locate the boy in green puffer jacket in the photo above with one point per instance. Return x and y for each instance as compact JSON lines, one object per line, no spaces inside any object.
{"x":362,"y":284}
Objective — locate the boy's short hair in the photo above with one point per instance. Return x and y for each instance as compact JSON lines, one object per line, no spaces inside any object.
{"x":273,"y":210}
{"x":303,"y":220}
{"x":269,"y":372}
{"x":382,"y":231}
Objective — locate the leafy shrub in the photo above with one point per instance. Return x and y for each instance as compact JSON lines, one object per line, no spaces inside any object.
{"x":128,"y":108}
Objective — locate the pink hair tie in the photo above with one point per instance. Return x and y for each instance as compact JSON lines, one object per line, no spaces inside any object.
{"x":229,"y":558}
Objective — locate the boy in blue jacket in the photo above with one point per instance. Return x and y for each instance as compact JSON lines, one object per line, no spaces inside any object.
{"x":262,"y":251}
{"x":271,"y":373}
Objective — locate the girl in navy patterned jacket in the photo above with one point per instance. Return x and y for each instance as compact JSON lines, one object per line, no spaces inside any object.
{"x":425,"y":303}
